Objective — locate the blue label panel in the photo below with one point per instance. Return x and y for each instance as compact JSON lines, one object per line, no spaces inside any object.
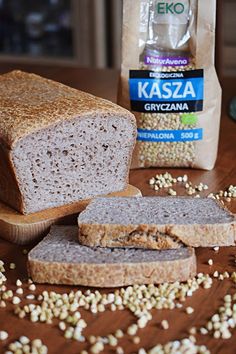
{"x":159,"y":92}
{"x":169,"y":135}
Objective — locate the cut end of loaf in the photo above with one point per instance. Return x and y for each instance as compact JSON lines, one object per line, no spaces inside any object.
{"x":60,"y":259}
{"x":73,"y":160}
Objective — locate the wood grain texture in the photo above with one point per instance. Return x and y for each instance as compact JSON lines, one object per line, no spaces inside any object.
{"x":205,"y":302}
{"x":24,"y":229}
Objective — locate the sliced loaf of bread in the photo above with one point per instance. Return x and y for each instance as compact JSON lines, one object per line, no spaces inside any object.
{"x":156,"y":223}
{"x":60,"y":259}
{"x":59,"y":145}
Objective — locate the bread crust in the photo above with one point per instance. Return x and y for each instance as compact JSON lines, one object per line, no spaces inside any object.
{"x":30,"y":103}
{"x":113,"y":275}
{"x":9,"y":187}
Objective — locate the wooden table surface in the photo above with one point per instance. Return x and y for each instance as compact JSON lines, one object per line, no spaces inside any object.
{"x":205,"y":301}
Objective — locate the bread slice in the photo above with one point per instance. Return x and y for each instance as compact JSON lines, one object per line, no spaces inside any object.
{"x":59,"y":145}
{"x":60,"y":259}
{"x":156,"y":223}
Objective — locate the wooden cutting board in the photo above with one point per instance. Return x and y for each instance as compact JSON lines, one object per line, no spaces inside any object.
{"x":24,"y":229}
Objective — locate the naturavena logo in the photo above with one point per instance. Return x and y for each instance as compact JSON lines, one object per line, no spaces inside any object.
{"x":170,"y":7}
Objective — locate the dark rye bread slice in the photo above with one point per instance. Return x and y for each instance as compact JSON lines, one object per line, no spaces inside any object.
{"x":59,"y":145}
{"x":156,"y":223}
{"x":60,"y":259}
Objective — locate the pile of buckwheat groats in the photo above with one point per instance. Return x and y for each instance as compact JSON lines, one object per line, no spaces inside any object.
{"x":65,"y":309}
{"x":167,"y":181}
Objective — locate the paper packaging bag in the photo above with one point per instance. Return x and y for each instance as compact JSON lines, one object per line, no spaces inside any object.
{"x":168,"y":80}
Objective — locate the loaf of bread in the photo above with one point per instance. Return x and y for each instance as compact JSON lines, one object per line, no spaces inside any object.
{"x":156,"y":223}
{"x":59,"y":145}
{"x":60,"y":259}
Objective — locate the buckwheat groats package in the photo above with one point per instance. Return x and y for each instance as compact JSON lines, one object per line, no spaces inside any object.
{"x":168,"y":80}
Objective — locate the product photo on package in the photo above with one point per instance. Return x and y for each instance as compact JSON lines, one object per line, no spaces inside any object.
{"x":168,"y":80}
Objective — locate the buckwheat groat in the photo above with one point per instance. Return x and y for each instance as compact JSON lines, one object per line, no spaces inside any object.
{"x":59,"y":145}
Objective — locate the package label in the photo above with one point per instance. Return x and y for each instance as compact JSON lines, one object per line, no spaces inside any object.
{"x":172,"y":12}
{"x":169,"y":135}
{"x":166,"y":92}
{"x":157,"y":60}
